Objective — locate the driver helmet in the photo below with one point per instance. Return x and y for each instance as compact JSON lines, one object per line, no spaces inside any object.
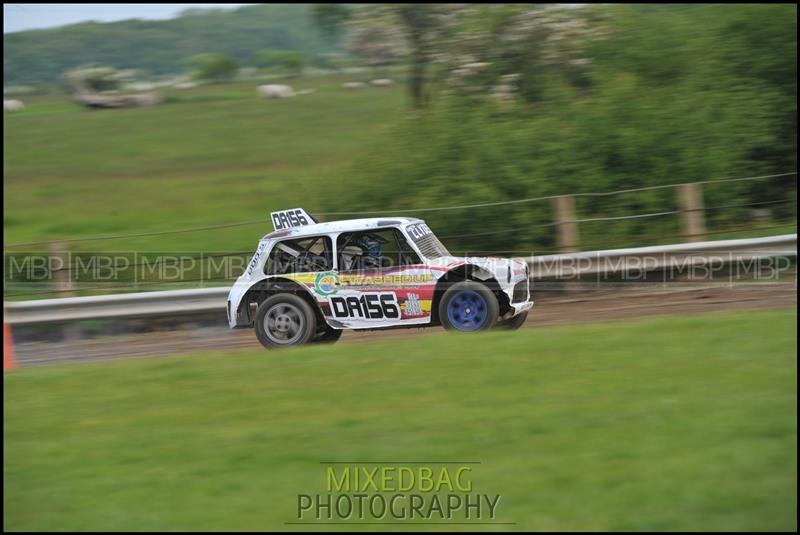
{"x":371,"y":248}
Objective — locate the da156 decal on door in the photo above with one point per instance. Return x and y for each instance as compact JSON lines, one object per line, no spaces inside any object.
{"x":367,"y":306}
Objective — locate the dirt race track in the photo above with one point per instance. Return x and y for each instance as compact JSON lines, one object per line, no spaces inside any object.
{"x":554,"y":306}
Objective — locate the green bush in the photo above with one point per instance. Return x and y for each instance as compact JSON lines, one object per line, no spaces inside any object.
{"x":289,"y":61}
{"x":213,"y":67}
{"x":678,"y":94}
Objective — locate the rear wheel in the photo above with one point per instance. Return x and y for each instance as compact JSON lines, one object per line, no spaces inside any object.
{"x":327,"y":336}
{"x":284,"y":320}
{"x":468,"y":307}
{"x":514,"y":323}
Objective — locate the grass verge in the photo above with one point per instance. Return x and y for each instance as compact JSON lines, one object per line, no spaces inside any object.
{"x":661,"y":424}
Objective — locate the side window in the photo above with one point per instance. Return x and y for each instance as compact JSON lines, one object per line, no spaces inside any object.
{"x":374,"y":249}
{"x":407,"y":254}
{"x":303,"y":255}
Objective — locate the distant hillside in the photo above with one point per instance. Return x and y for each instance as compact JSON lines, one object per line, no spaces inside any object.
{"x":158,"y":46}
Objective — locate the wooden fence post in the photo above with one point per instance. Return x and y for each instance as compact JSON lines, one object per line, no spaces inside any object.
{"x":62,"y":277}
{"x":693,"y":221}
{"x":566,"y":227}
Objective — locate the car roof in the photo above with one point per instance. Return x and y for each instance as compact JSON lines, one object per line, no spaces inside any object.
{"x":347,"y":225}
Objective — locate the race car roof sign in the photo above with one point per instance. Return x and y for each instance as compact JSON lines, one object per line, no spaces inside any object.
{"x":286,"y":219}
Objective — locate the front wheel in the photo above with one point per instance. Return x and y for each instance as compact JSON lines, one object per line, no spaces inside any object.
{"x":512,"y":324}
{"x":284,"y":320}
{"x":468,"y":307}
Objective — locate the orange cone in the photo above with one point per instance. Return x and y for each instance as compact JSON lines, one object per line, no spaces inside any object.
{"x":9,"y":360}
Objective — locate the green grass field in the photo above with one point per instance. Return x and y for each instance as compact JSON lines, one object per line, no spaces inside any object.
{"x":209,"y":155}
{"x":660,"y":424}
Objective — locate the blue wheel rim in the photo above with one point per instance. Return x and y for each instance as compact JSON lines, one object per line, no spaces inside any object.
{"x":467,"y":311}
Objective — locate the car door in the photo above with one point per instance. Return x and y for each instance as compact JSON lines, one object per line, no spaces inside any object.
{"x":381,"y":280}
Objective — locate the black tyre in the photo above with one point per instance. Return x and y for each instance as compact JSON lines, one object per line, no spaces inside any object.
{"x":285,"y":320}
{"x":327,"y":336}
{"x":512,"y":324}
{"x":468,"y":307}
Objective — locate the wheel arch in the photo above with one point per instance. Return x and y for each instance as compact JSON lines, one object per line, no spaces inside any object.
{"x":261,"y":290}
{"x":467,"y":272}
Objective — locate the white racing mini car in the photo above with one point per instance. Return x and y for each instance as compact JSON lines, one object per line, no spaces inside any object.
{"x":308,"y":281}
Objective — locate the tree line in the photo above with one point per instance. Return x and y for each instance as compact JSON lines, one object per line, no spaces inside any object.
{"x":163,"y":46}
{"x":519,"y":101}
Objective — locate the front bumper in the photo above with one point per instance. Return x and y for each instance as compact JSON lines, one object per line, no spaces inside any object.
{"x":519,"y":308}
{"x":519,"y":292}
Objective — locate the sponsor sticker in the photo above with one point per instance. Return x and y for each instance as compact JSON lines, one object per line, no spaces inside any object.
{"x":256,"y":257}
{"x":417,"y":231}
{"x":326,"y":283}
{"x":394,"y":279}
{"x":412,"y":305}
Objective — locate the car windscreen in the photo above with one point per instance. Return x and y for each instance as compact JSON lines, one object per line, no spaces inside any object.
{"x":426,"y":241}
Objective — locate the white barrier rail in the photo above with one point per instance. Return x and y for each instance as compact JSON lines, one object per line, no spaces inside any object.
{"x":659,"y":257}
{"x":542,"y":267}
